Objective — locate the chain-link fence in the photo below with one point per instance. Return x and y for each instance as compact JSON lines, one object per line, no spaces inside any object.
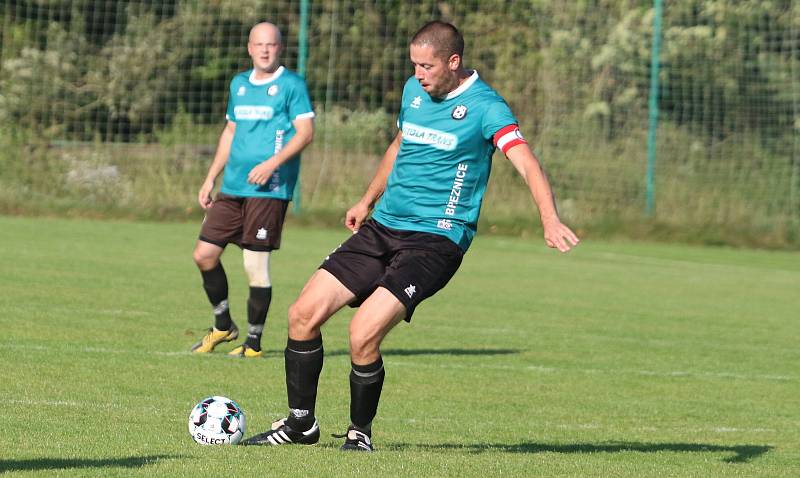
{"x":115,"y":106}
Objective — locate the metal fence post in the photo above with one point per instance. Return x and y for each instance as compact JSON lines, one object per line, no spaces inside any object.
{"x":653,"y":108}
{"x":302,"y":57}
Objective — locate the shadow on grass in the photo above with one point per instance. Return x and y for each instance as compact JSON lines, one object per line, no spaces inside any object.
{"x":413,"y":352}
{"x":35,"y":464}
{"x":741,"y":453}
{"x":461,"y":352}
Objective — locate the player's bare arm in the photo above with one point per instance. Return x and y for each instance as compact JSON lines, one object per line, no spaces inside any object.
{"x":304,"y":128}
{"x":556,"y":234}
{"x":220,"y":159}
{"x":357,"y":214}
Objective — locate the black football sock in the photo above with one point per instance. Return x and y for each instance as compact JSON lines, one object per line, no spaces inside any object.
{"x":215,"y":282}
{"x":366,"y":383}
{"x":257,"y":308}
{"x":303,"y":366}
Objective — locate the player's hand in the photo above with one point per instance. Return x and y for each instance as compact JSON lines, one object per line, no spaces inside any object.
{"x":204,"y":195}
{"x":559,"y":236}
{"x":356,"y":216}
{"x":261,"y":173}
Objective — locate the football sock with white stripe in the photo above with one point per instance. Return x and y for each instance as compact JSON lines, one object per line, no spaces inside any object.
{"x":257,"y":308}
{"x":215,"y":283}
{"x":303,"y":360}
{"x":366,"y":383}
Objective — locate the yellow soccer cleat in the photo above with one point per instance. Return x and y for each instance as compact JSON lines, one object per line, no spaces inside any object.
{"x":213,"y":338}
{"x":245,"y":351}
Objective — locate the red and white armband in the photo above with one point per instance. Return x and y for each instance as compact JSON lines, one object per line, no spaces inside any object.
{"x":508,"y":137}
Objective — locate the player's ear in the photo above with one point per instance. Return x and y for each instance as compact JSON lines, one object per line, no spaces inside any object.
{"x":454,"y":62}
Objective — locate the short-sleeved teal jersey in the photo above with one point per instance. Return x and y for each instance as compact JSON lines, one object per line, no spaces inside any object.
{"x":263,"y":111}
{"x":441,"y":170}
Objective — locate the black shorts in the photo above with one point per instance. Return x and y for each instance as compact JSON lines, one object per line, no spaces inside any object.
{"x":411,"y":265}
{"x":251,"y":223}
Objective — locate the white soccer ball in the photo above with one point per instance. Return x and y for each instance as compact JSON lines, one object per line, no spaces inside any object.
{"x":216,"y":421}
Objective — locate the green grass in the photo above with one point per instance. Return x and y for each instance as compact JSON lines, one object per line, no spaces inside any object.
{"x":619,"y":359}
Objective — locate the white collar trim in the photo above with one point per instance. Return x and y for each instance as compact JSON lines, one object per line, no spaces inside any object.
{"x":463,"y":86}
{"x":272,"y":78}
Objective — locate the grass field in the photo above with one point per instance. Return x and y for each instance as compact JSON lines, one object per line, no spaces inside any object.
{"x":619,"y":359}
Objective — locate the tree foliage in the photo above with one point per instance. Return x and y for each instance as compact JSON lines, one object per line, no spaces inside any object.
{"x":119,"y":70}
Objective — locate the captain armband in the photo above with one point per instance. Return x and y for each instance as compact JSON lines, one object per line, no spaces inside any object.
{"x":508,"y":137}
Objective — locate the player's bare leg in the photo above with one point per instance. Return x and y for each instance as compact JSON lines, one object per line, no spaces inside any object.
{"x":206,"y":255}
{"x":256,"y":266}
{"x":321,"y":297}
{"x":215,"y":282}
{"x":376,"y":317}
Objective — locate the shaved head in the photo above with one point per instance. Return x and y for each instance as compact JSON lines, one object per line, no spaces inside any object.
{"x":444,"y":38}
{"x":264,"y":47}
{"x":265,"y":28}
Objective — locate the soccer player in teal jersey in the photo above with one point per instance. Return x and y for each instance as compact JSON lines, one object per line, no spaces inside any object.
{"x":270,"y":121}
{"x":430,"y":184}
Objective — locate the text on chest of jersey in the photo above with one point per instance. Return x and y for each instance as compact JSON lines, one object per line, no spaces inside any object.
{"x":414,"y":133}
{"x":248,"y":112}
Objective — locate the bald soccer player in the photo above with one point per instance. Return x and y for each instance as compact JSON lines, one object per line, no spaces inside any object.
{"x":269,"y":122}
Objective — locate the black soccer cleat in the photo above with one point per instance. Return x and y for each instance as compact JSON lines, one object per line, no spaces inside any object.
{"x":282,"y":434}
{"x":356,"y":440}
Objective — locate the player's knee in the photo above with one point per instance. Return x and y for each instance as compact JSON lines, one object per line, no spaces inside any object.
{"x":256,"y":266}
{"x":299,"y":315}
{"x":363,"y":348}
{"x":304,"y":319}
{"x":204,"y":260}
{"x":365,"y":353}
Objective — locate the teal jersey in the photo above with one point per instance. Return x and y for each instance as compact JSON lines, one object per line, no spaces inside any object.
{"x":263,"y":111}
{"x":441,"y":170}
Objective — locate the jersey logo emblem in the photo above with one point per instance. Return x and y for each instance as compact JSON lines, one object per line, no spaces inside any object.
{"x":261,"y":234}
{"x":272,"y":90}
{"x":459,"y":112}
{"x":410,"y":290}
{"x":241,"y":91}
{"x":417,"y":101}
{"x":445,"y":224}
